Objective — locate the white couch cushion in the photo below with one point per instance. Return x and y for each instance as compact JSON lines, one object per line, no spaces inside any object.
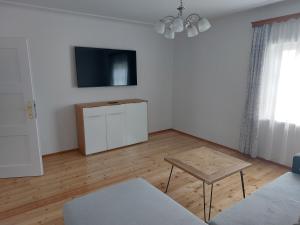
{"x":134,"y":202}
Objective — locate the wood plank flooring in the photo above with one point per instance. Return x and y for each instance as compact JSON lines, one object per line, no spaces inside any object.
{"x":39,"y":200}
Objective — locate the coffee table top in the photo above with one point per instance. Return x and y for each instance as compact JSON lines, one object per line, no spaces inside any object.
{"x":207,"y":164}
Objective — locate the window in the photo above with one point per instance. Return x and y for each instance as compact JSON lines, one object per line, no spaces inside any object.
{"x":287,"y":106}
{"x":280,"y":89}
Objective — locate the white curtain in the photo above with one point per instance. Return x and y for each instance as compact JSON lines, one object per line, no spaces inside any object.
{"x":279,"y":99}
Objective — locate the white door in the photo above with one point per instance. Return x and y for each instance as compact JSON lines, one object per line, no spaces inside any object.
{"x":19,"y":149}
{"x":115,"y":118}
{"x":95,"y":129}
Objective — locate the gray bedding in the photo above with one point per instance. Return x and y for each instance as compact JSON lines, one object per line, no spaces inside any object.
{"x":278,"y":203}
{"x":135,"y":202}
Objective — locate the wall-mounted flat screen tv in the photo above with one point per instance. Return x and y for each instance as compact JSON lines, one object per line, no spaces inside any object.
{"x":98,"y":67}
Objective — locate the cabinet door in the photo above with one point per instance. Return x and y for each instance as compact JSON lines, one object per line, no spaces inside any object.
{"x":95,"y":130}
{"x":136,"y":123}
{"x":115,"y":118}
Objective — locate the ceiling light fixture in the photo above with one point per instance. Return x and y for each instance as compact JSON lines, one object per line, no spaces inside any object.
{"x":193,"y":24}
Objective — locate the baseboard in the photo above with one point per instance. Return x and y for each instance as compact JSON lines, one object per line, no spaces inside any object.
{"x":223,"y":146}
{"x":76,"y":149}
{"x":152,"y":134}
{"x":160,"y":131}
{"x":203,"y":139}
{"x":60,"y":152}
{"x":182,"y":133}
{"x":278,"y":164}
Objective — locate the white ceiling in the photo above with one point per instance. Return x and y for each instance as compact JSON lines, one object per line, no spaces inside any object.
{"x":147,"y":11}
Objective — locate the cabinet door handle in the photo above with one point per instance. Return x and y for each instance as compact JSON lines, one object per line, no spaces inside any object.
{"x":94,"y":116}
{"x":116,"y":113}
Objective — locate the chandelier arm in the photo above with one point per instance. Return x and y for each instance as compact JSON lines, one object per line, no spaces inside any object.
{"x":168,"y":20}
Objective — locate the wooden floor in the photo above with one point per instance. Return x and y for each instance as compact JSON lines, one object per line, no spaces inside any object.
{"x":39,"y":200}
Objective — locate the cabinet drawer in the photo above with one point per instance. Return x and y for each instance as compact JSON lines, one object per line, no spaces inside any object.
{"x":94,"y":112}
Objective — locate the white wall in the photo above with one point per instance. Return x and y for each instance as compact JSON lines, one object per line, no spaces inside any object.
{"x":210,"y":71}
{"x":52,"y":36}
{"x":210,"y":75}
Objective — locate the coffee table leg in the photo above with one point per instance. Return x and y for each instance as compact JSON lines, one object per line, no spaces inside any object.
{"x":211,"y":195}
{"x":243,"y":185}
{"x":169,"y":179}
{"x":204,"y":207}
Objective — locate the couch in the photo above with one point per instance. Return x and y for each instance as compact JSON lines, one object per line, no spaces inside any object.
{"x":277,"y":203}
{"x":134,"y":202}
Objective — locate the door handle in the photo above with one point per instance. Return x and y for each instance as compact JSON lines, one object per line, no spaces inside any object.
{"x":34,"y":107}
{"x":29,"y":110}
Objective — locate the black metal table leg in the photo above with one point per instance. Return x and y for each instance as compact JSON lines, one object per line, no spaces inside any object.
{"x":243,"y":185}
{"x":211,"y":194}
{"x":169,"y":180}
{"x":204,"y":207}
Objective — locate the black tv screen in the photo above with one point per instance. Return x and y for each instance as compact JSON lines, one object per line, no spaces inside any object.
{"x":98,"y":67}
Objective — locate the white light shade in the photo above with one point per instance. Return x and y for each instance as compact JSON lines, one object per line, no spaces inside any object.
{"x":177,"y":25}
{"x":203,"y":25}
{"x":160,"y":27}
{"x":192,"y":31}
{"x":169,"y":34}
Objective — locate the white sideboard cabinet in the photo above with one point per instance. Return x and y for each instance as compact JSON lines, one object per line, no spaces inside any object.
{"x":107,"y":125}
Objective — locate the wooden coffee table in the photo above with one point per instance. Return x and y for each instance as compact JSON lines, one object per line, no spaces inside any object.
{"x":209,"y":166}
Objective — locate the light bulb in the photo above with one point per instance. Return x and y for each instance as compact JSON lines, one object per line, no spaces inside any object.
{"x":177,"y":25}
{"x":192,"y":31}
{"x":203,"y":25}
{"x":169,"y":34}
{"x":159,"y":27}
